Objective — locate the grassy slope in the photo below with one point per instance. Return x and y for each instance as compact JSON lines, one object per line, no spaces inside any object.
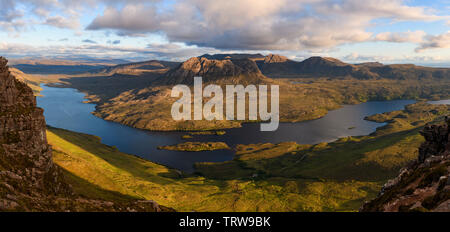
{"x":338,"y":176}
{"x":105,"y":168}
{"x":196,"y":146}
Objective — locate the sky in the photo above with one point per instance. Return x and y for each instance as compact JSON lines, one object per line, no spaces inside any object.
{"x":388,"y":31}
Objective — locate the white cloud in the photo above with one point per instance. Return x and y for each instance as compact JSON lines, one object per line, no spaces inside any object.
{"x":434,"y":42}
{"x":401,"y":37}
{"x":132,"y":18}
{"x":8,"y":11}
{"x":152,"y":51}
{"x":290,"y":26}
{"x":358,"y":58}
{"x":263,"y":24}
{"x":62,"y":22}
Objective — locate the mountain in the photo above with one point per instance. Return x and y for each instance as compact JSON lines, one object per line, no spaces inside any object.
{"x":277,"y":66}
{"x":370,"y":64}
{"x":271,"y":58}
{"x":424,"y":185}
{"x":29,"y":180}
{"x":237,"y":71}
{"x":233,"y":56}
{"x":139,"y":67}
{"x":410,"y":71}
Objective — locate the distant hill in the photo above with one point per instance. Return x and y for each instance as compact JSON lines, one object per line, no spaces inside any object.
{"x":276,"y":66}
{"x":47,"y":69}
{"x":139,"y":67}
{"x":61,"y":66}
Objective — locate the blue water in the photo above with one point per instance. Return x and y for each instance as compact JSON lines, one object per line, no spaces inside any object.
{"x":441,"y":102}
{"x":64,"y":108}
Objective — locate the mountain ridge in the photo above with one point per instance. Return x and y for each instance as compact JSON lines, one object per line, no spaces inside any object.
{"x":278,"y":66}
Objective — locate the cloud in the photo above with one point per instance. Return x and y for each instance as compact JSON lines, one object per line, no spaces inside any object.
{"x":131,"y":19}
{"x":358,"y":58}
{"x":115,"y":42}
{"x":295,"y":27}
{"x":401,"y":37}
{"x":62,"y":22}
{"x":8,"y":11}
{"x":89,"y":41}
{"x":434,"y":42}
{"x":152,"y":51}
{"x":263,"y":24}
{"x":10,"y":16}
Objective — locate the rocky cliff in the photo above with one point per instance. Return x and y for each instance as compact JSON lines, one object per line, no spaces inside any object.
{"x":425,"y":184}
{"x":29,"y":180}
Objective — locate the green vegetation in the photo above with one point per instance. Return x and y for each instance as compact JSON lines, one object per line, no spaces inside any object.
{"x":196,"y":146}
{"x":208,"y":133}
{"x":98,"y":170}
{"x":336,"y":176}
{"x":194,"y":133}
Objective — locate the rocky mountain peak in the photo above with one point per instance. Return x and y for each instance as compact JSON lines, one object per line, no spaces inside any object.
{"x":424,"y":185}
{"x":273,"y":58}
{"x":317,"y":60}
{"x":214,"y":70}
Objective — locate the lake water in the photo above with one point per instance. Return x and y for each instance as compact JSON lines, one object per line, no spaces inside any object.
{"x":441,"y":102}
{"x":64,"y":108}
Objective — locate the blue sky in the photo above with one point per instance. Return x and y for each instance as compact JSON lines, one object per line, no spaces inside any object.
{"x":352,"y":30}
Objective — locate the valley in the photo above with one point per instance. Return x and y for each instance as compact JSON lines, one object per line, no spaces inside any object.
{"x":176,"y":111}
{"x":143,"y":100}
{"x":325,"y":166}
{"x":337,"y":176}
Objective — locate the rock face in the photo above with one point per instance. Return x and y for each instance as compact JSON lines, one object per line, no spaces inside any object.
{"x":29,"y":180}
{"x":242,"y":71}
{"x":23,"y":144}
{"x":425,"y":184}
